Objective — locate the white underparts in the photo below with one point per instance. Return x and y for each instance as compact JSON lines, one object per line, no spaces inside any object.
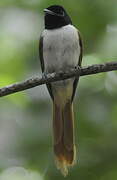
{"x":61,"y":51}
{"x":61,"y":48}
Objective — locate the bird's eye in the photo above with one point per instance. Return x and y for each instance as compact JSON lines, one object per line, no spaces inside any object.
{"x":62,"y":13}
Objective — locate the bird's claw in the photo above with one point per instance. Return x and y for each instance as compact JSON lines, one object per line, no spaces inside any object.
{"x":77,"y":67}
{"x":44,"y":75}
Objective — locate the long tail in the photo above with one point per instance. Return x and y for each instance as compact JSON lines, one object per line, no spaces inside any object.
{"x":63,"y":125}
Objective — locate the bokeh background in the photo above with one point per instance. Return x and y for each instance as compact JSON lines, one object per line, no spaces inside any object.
{"x":26,"y":118}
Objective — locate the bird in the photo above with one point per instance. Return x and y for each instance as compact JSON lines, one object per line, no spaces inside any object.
{"x":60,"y":50}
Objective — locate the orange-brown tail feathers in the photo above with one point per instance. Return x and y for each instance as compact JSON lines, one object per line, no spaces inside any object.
{"x":63,"y":125}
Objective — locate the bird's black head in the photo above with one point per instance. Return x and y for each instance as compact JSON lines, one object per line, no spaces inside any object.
{"x":56,"y":17}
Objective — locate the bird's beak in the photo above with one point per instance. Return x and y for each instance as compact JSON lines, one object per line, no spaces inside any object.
{"x":47,"y":11}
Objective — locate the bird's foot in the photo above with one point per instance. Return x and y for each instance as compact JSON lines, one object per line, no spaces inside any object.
{"x":71,"y":69}
{"x":44,"y":75}
{"x":77,"y":67}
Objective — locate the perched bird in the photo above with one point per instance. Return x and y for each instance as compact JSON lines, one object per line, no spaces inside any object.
{"x":60,"y":49}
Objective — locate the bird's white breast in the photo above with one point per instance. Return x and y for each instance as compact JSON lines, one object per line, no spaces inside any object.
{"x":61,"y":48}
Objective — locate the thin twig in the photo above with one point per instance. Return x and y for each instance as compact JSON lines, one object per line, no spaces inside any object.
{"x":33,"y":82}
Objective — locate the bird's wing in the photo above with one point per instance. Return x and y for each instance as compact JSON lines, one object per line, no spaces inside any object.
{"x":79,"y":64}
{"x":42,"y":63}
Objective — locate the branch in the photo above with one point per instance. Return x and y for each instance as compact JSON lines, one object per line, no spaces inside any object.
{"x":33,"y":82}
